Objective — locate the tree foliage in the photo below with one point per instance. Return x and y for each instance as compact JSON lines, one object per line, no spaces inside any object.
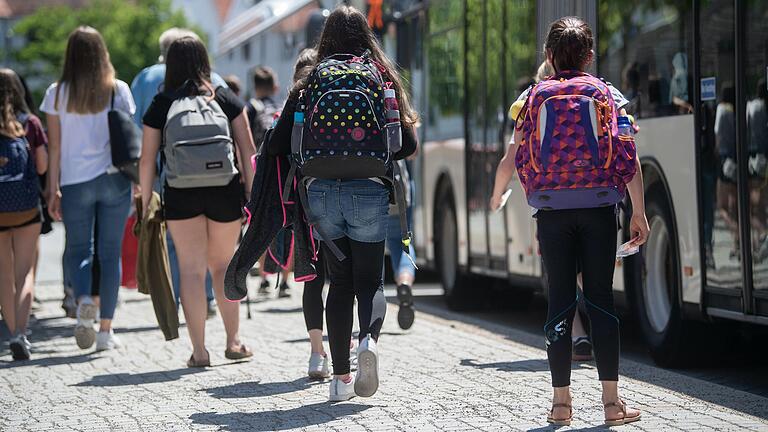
{"x":130,"y":29}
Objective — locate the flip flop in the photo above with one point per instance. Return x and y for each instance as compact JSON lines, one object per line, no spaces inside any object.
{"x":240,"y":354}
{"x":623,"y":420}
{"x":560,"y":422}
{"x":192,"y":363}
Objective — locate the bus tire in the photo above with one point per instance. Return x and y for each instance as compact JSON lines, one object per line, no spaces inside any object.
{"x":455,"y":282}
{"x":656,"y":288}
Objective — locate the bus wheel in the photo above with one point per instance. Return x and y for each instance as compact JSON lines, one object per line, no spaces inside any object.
{"x":656,"y":290}
{"x":454,"y":282}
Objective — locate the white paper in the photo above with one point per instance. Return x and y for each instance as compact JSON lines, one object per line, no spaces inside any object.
{"x":504,"y":199}
{"x":626,"y":250}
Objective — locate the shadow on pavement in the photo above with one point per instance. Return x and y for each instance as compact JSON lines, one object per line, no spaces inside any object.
{"x":283,"y":311}
{"x":257,"y":389}
{"x":586,"y":429}
{"x":538,"y":365}
{"x":49,"y":361}
{"x":126,"y":379}
{"x":296,"y":418}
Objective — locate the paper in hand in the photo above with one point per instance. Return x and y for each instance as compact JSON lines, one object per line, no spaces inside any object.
{"x":504,"y":199}
{"x":626,"y":250}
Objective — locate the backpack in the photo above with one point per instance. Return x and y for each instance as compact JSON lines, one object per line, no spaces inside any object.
{"x":261,"y":116}
{"x":19,"y":185}
{"x":198,"y":149}
{"x":341,"y":130}
{"x":571,"y":155}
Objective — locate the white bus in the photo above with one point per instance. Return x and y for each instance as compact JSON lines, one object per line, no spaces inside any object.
{"x":695,"y":73}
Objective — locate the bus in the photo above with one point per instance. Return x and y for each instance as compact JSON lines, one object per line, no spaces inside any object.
{"x":695,"y":74}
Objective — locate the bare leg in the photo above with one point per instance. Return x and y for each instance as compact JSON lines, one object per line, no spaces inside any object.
{"x":191,"y":239}
{"x":316,"y":341}
{"x":7,"y":282}
{"x":611,"y":394}
{"x":561,"y":395}
{"x":24,"y":249}
{"x":222,"y":239}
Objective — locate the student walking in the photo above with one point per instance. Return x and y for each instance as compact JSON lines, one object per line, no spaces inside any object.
{"x":23,"y":156}
{"x":350,"y":202}
{"x":197,"y":127}
{"x":83,"y":184}
{"x":147,"y":84}
{"x":576,"y":213}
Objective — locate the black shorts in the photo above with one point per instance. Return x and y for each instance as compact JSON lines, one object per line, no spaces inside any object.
{"x":219,"y":204}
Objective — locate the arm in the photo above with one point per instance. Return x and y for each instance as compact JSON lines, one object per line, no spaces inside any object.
{"x":638,"y":225}
{"x":244,"y":141}
{"x":41,"y":160}
{"x":409,"y":143}
{"x":54,"y":166}
{"x":504,"y":173}
{"x":150,"y":145}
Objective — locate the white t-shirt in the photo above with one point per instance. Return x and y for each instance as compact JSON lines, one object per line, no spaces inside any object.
{"x":85,"y":151}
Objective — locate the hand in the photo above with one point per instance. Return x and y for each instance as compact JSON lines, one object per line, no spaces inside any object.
{"x":638,"y":228}
{"x":54,"y":205}
{"x":496,"y":200}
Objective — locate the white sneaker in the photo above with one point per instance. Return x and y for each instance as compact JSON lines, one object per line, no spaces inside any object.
{"x":341,"y":391}
{"x":106,"y":340}
{"x":85,"y":335}
{"x":352,"y":359}
{"x":20,"y":347}
{"x":367,"y":379}
{"x":318,"y":366}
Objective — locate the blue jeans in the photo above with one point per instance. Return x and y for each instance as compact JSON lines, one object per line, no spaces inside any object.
{"x":397,"y":256}
{"x":108,"y":198}
{"x":356,"y":209}
{"x":175,"y":275}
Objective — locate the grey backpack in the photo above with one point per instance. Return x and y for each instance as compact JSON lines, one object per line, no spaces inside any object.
{"x":198,"y":147}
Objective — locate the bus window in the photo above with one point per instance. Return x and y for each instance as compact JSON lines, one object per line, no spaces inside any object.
{"x":445,"y":88}
{"x":756,"y":88}
{"x":644,"y":50}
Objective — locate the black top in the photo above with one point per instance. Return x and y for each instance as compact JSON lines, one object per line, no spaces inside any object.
{"x":280,"y":142}
{"x":157,"y":112}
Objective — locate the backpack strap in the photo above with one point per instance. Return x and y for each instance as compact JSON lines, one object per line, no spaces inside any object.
{"x":405,"y":234}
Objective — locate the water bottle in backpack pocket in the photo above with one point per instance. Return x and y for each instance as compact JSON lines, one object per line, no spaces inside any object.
{"x":198,"y":147}
{"x":19,"y":185}
{"x":572,"y":154}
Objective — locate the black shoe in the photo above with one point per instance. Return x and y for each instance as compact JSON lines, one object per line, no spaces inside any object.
{"x":285,"y":290}
{"x":19,"y":348}
{"x":406,"y":314}
{"x":264,"y":288}
{"x":582,"y":349}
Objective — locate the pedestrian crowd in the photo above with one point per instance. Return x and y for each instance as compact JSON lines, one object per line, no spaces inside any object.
{"x":316,"y":187}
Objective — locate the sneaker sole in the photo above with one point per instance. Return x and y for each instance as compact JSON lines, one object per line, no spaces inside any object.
{"x":18,"y":352}
{"x":368,"y":374}
{"x":341,"y":398}
{"x":85,"y":335}
{"x":405,"y":316}
{"x":315,"y":375}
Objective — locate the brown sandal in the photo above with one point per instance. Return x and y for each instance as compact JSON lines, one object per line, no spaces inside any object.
{"x":623,"y":420}
{"x":240,"y":354}
{"x":560,"y":422}
{"x":192,"y":363}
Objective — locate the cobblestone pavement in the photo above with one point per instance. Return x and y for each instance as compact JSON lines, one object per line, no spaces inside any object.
{"x":441,"y":375}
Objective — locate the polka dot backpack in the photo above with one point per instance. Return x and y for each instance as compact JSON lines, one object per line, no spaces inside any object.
{"x":346,"y":125}
{"x":19,"y":186}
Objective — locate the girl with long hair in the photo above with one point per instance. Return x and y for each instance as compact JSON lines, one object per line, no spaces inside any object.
{"x":83,"y":185}
{"x":204,"y":221}
{"x":359,"y":234}
{"x":20,"y":228}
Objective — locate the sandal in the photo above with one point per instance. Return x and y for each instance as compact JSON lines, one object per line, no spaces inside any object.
{"x":240,"y":354}
{"x":192,"y":363}
{"x":560,"y":422}
{"x":623,"y":420}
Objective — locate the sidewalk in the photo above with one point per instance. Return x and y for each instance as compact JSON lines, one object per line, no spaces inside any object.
{"x":442,"y":375}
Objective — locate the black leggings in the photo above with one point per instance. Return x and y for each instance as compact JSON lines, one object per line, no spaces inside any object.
{"x":358,"y":275}
{"x":312,"y":299}
{"x":567,"y":237}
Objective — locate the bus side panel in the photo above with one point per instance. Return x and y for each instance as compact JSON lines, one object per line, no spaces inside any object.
{"x":444,"y":160}
{"x":522,"y":257}
{"x":672,"y":143}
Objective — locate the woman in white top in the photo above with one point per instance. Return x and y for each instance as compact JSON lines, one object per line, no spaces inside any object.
{"x":83,"y":183}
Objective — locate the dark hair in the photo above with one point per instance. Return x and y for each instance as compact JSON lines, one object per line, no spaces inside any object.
{"x":762,"y":90}
{"x":187,"y":63}
{"x":346,"y":31}
{"x":570,"y":42}
{"x":264,"y":78}
{"x":728,"y":93}
{"x":305,"y":62}
{"x":233,"y":82}
{"x":11,"y":103}
{"x":87,"y":72}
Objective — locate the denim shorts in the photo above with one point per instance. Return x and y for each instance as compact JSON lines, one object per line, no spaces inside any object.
{"x":356,"y":209}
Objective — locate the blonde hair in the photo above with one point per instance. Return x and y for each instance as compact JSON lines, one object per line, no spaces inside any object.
{"x":545,"y":71}
{"x":170,"y":36}
{"x":88,"y":72}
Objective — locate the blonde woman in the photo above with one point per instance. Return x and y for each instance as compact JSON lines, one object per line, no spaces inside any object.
{"x":83,"y":183}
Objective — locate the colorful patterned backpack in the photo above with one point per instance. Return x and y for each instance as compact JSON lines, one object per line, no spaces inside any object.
{"x":571,"y":155}
{"x":343,"y":126}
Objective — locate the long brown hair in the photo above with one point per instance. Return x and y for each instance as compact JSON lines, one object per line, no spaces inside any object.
{"x":570,"y":41}
{"x":187,"y":63}
{"x":88,"y":72}
{"x":346,"y":31}
{"x":11,"y":103}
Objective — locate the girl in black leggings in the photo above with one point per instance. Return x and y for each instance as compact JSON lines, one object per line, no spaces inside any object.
{"x":567,"y":237}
